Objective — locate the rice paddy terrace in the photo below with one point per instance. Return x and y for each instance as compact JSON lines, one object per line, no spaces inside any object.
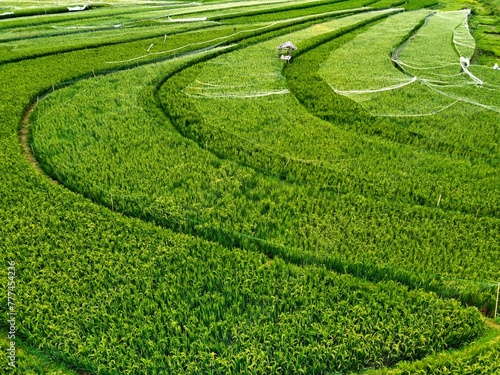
{"x":179,"y":196}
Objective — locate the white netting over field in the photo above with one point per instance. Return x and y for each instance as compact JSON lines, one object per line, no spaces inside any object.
{"x":434,"y":67}
{"x":363,"y":64}
{"x":431,"y":45}
{"x":255,"y":71}
{"x":463,"y":40}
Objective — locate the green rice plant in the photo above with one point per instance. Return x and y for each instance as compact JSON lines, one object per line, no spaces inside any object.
{"x":179,"y":296}
{"x":15,"y":12}
{"x":444,"y":67}
{"x":475,"y":85}
{"x":438,"y":55}
{"x":187,"y":304}
{"x":365,"y":65}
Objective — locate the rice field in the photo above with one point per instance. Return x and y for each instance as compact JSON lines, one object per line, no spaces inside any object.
{"x":179,"y":195}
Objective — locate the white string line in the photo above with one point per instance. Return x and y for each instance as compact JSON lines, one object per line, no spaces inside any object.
{"x":450,"y":77}
{"x":444,"y":65}
{"x":277,"y":74}
{"x":428,"y":84}
{"x":223,"y":86}
{"x":420,"y":114}
{"x":439,"y":83}
{"x":433,"y":87}
{"x":194,"y":19}
{"x":74,"y":27}
{"x":256,"y":95}
{"x":447,"y":84}
{"x":490,"y":87}
{"x":166,"y":52}
{"x":464,"y":99}
{"x":370,"y":91}
{"x":193,"y":89}
{"x":126,"y":31}
{"x":471,"y":46}
{"x":99,"y":37}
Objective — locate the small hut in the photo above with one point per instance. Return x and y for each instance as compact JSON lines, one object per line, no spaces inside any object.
{"x":286,"y":46}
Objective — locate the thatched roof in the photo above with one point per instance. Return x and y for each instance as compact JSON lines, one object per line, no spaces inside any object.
{"x":288,"y":45}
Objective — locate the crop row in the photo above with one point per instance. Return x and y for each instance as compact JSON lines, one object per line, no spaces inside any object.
{"x":474,"y":127}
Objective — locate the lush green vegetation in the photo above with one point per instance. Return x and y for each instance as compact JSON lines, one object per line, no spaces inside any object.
{"x":212,"y":199}
{"x":481,"y":358}
{"x":142,"y":176}
{"x":29,"y":361}
{"x":17,"y":50}
{"x":217,"y":310}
